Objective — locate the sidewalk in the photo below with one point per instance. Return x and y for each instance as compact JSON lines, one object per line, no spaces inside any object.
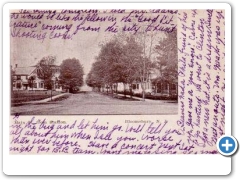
{"x":146,"y":100}
{"x":49,"y":99}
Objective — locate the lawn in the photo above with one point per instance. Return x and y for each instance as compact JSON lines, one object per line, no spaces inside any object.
{"x":25,"y":96}
{"x":92,"y":103}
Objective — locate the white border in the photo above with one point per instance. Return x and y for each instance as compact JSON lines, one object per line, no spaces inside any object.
{"x":104,"y":164}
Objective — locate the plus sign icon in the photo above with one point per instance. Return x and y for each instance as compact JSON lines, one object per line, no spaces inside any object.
{"x":227,"y":145}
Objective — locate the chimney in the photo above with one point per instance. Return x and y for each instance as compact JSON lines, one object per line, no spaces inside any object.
{"x":16,"y":65}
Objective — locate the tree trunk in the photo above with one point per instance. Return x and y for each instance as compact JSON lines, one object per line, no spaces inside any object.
{"x":111,"y":88}
{"x":131,"y":92}
{"x":117,"y":88}
{"x":143,"y":91}
{"x":169,"y":91}
{"x":161,"y":88}
{"x":124,"y":87}
{"x":51,"y":94}
{"x":143,"y":95}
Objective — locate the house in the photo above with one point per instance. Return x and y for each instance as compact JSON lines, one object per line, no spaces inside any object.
{"x":154,"y":84}
{"x":25,"y":78}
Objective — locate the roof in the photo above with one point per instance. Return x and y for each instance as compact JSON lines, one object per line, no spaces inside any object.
{"x":52,"y":65}
{"x":24,"y":70}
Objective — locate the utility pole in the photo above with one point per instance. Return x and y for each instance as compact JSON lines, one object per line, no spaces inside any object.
{"x":51,"y":88}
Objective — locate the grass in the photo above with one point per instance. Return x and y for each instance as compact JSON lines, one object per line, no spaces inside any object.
{"x":25,"y":96}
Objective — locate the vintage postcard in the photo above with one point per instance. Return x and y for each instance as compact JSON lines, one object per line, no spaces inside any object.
{"x":116,"y":81}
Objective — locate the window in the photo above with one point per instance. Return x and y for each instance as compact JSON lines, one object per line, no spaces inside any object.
{"x":137,"y":86}
{"x":173,"y":87}
{"x":18,"y":77}
{"x":35,"y":85}
{"x":166,"y":86}
{"x":134,"y":86}
{"x":57,"y":86}
{"x":19,"y":85}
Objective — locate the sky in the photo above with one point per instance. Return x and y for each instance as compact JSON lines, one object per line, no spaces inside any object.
{"x":27,"y":52}
{"x":83,"y":46}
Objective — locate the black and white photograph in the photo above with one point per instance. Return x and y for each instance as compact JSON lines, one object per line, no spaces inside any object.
{"x":94,"y":62}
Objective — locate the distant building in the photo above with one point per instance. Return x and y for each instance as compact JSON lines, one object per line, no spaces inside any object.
{"x":152,"y":85}
{"x":25,"y":78}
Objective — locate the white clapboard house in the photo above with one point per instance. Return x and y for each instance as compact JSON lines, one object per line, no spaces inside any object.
{"x":22,"y":78}
{"x":151,"y":85}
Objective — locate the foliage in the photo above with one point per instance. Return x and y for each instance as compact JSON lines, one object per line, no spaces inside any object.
{"x":131,"y":58}
{"x":31,"y":80}
{"x":167,"y":57}
{"x":116,"y":63}
{"x":45,"y":70}
{"x":95,"y":76}
{"x":71,"y":74}
{"x":108,"y":68}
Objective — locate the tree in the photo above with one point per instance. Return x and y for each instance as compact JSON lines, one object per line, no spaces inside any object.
{"x":31,"y":81}
{"x":108,"y":69}
{"x":95,"y":77}
{"x":45,"y":70}
{"x":166,"y":60}
{"x":146,"y":41}
{"x":111,"y":58}
{"x":71,"y":74}
{"x":90,"y":81}
{"x":124,"y":59}
{"x":130,"y":60}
